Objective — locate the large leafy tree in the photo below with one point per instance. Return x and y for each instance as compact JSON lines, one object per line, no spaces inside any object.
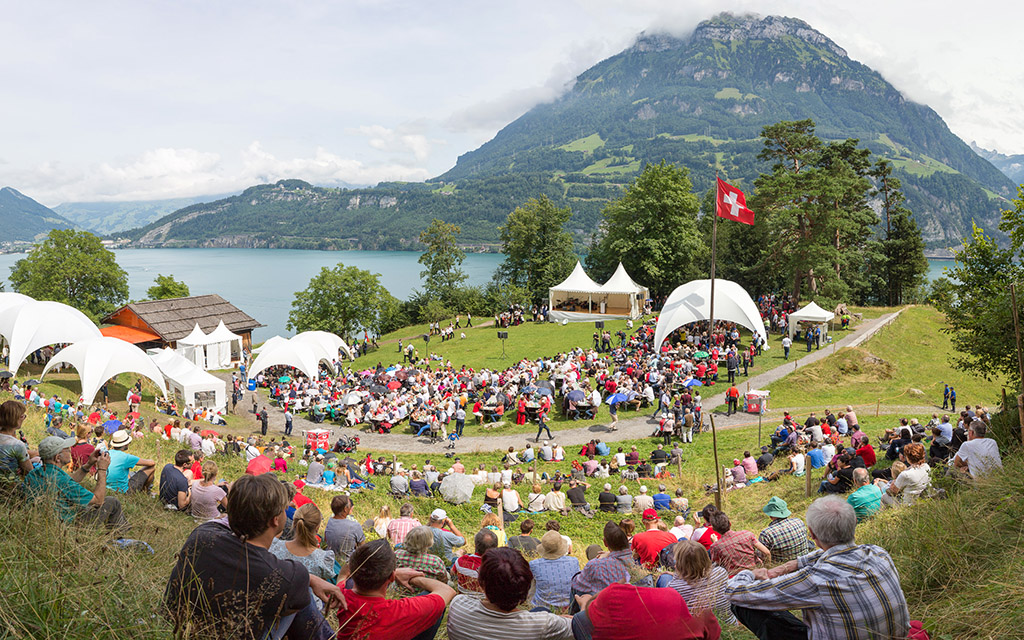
{"x":165,"y":287}
{"x":905,"y":264}
{"x":653,"y":231}
{"x":813,"y":204}
{"x":538,"y":250}
{"x":75,"y":268}
{"x":442,"y":261}
{"x":343,"y":300}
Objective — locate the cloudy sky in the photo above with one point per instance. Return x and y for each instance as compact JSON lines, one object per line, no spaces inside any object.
{"x":145,"y":100}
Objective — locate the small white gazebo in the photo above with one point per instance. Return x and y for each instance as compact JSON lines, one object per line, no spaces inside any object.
{"x":576,"y":299}
{"x":810,"y":316}
{"x":622,"y":296}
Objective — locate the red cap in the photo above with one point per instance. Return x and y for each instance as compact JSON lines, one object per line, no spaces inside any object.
{"x":650,"y":514}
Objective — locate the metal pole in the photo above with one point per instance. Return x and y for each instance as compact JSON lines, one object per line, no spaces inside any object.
{"x":1020,"y":359}
{"x":711,"y":333}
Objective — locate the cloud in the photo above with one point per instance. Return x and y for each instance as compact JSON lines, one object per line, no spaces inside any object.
{"x":403,"y":139}
{"x":173,"y":173}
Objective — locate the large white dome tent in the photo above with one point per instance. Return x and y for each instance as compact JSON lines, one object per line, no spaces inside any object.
{"x":101,"y":358}
{"x":37,"y":324}
{"x":691,"y":302}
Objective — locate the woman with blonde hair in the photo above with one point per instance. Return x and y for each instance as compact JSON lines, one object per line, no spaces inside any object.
{"x":206,"y":495}
{"x":381,"y":522}
{"x":415,"y":554}
{"x":304,"y":548}
{"x":701,"y":585}
{"x":535,"y":501}
{"x":493,"y":522}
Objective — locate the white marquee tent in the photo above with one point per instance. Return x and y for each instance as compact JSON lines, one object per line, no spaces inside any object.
{"x":293,"y":353}
{"x":577,"y":299}
{"x":623,"y":296}
{"x":217,"y":350}
{"x":691,"y":302}
{"x":811,"y":314}
{"x":101,"y":358}
{"x":35,"y":324}
{"x":10,"y":302}
{"x":195,"y":386}
{"x":326,"y":343}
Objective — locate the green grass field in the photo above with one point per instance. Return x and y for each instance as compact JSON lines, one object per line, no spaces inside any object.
{"x":587,"y":144}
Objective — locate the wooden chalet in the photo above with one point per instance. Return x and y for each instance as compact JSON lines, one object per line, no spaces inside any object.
{"x":161,"y":323}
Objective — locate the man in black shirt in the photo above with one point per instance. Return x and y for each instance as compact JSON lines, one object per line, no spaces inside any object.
{"x":576,"y":496}
{"x":524,"y":541}
{"x":765,"y":459}
{"x":227,"y":584}
{"x":606,"y":499}
{"x":174,"y":487}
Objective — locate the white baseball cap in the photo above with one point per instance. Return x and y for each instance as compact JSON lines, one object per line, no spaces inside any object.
{"x":439,"y":515}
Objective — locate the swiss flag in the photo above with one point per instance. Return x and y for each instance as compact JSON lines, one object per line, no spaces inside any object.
{"x":732,"y":204}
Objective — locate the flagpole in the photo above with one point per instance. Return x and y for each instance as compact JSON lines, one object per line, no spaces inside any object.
{"x":711,"y":333}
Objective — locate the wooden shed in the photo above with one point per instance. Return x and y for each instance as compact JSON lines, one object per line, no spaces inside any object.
{"x":161,"y":323}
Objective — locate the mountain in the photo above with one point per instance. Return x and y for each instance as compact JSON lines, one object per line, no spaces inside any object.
{"x":22,"y":219}
{"x":698,"y":101}
{"x":111,"y":217}
{"x":1012,"y":166}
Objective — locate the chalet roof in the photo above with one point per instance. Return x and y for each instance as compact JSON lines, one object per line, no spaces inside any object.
{"x":175,"y":318}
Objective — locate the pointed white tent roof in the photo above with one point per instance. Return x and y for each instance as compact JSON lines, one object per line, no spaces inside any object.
{"x":811,"y":313}
{"x":37,"y":324}
{"x":620,"y":282}
{"x":578,"y":281}
{"x":691,"y":302}
{"x":222,"y":334}
{"x":196,"y":337}
{"x":187,"y":375}
{"x":101,"y":358}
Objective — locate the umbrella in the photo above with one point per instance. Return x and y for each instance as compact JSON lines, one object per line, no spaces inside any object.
{"x":546,"y":384}
{"x":402,"y":375}
{"x":6,"y":374}
{"x":544,"y":391}
{"x":284,"y":379}
{"x":694,"y":382}
{"x":376,"y":388}
{"x":95,"y":417}
{"x":615,"y":398}
{"x":576,"y":395}
{"x":700,"y":354}
{"x":31,"y":383}
{"x":394,"y":384}
{"x":353,"y":398}
{"x":133,"y":414}
{"x":209,"y":432}
{"x":110,"y":426}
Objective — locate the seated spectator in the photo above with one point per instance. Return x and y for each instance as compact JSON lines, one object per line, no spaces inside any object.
{"x":786,"y":536}
{"x":662,"y":500}
{"x":843,"y":591}
{"x":400,"y":526}
{"x":680,"y":529}
{"x":750,"y":467}
{"x":524,"y":541}
{"x":121,"y":463}
{"x":649,"y":612}
{"x":371,"y":615}
{"x":494,"y":524}
{"x":304,"y":547}
{"x":866,"y":452}
{"x":648,"y":544}
{"x":765,"y":459}
{"x":415,"y":554}
{"x":399,"y":483}
{"x":73,"y":501}
{"x":912,"y":482}
{"x":679,"y":503}
{"x":624,"y":501}
{"x":796,"y":461}
{"x":505,"y":579}
{"x":553,"y":571}
{"x":701,"y":584}
{"x":510,"y":500}
{"x":866,"y":498}
{"x":736,"y":550}
{"x":606,"y":499}
{"x":223,"y":562}
{"x":206,"y":496}
{"x":642,"y":502}
{"x":554,"y":525}
{"x":607,"y":568}
{"x":704,"y":533}
{"x":535,"y":501}
{"x":841,"y":479}
{"x":466,"y":569}
{"x":816,"y":455}
{"x":418,"y":486}
{"x":736,"y":477}
{"x":979,"y":454}
{"x":342,"y":534}
{"x":555,"y":500}
{"x":174,"y":486}
{"x":446,"y":535}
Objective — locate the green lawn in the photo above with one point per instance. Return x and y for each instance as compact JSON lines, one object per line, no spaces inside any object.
{"x":587,"y":144}
{"x":914,"y":354}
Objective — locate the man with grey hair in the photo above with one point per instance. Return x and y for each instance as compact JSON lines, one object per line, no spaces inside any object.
{"x":979,"y":454}
{"x":845,"y":590}
{"x":866,"y":498}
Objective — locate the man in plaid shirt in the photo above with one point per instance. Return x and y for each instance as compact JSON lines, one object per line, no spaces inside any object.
{"x":735,"y":550}
{"x":607,"y":568}
{"x":845,"y":591}
{"x":401,"y":526}
{"x":786,"y":536}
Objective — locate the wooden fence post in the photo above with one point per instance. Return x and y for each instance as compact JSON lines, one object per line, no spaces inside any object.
{"x":878,"y":407}
{"x":807,"y":474}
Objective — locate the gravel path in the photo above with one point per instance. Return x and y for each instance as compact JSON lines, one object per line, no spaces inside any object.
{"x":633,"y":428}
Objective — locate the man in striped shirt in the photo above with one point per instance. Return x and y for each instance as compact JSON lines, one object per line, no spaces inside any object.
{"x":845,"y":591}
{"x":401,"y":526}
{"x":466,"y":569}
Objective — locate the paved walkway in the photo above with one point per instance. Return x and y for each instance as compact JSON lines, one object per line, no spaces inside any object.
{"x":634,"y":428}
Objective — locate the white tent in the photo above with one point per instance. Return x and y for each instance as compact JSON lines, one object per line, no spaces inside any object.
{"x":622,"y":296}
{"x":100,"y":359}
{"x":37,"y":324}
{"x":192,"y":346}
{"x":576,"y":298}
{"x":328,"y":343}
{"x":218,"y":349}
{"x":269,"y":343}
{"x":691,"y":302}
{"x":10,"y":302}
{"x":292,"y":353}
{"x":195,"y":386}
{"x":812,"y":314}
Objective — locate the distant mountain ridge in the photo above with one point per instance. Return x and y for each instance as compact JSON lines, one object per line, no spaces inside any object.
{"x":699,"y":101}
{"x":110,"y":217}
{"x":22,"y":219}
{"x":1011,"y":166}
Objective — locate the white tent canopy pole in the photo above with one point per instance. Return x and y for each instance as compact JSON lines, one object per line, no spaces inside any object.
{"x":100,"y":359}
{"x":691,"y":303}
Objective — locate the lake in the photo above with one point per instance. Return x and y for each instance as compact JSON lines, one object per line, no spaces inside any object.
{"x":263,"y":282}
